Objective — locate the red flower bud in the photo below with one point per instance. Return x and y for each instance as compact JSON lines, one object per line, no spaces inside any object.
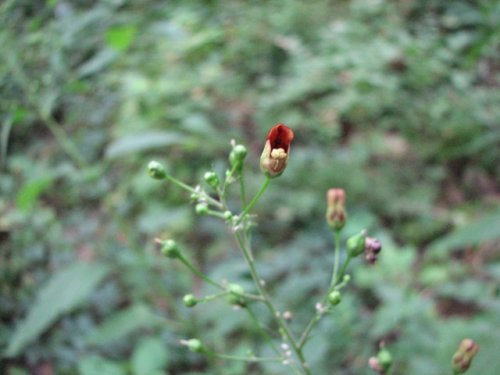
{"x":335,"y":213}
{"x":276,"y":150}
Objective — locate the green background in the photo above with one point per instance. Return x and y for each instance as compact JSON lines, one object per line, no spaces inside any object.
{"x":394,"y":101}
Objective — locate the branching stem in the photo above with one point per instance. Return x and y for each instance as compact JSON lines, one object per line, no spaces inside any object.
{"x":256,"y":198}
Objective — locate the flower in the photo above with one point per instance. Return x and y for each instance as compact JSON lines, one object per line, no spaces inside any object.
{"x":276,"y":150}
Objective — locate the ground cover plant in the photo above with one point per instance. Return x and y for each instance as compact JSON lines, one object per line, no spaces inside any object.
{"x":394,"y":102}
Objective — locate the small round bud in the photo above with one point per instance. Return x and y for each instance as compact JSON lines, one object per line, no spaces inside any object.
{"x":384,"y":359}
{"x":201,"y":208}
{"x":237,"y":157}
{"x":356,"y":244}
{"x":170,"y":249}
{"x":240,"y":152}
{"x":156,"y":170}
{"x":228,"y":215}
{"x":334,"y":297}
{"x":194,"y":345}
{"x":211,"y":179}
{"x":235,"y":295}
{"x":189,"y":300}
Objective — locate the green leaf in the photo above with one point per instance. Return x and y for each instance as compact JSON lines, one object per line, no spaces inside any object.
{"x":123,"y":323}
{"x":483,"y":230}
{"x":149,"y":356}
{"x":68,"y":288}
{"x":139,"y":142}
{"x":98,"y":62}
{"x":29,"y":193}
{"x":121,"y":37}
{"x":93,"y":365}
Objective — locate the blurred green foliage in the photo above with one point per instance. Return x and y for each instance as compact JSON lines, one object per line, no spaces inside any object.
{"x":395,"y":101}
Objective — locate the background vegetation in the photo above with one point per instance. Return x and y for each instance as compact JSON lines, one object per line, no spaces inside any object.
{"x":395,"y":101}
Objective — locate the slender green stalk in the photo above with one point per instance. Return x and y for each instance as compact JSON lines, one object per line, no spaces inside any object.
{"x":242,"y":189}
{"x":268,"y":302}
{"x":256,"y":198}
{"x":342,"y":270}
{"x":336,"y":258}
{"x":228,"y":180}
{"x":216,"y":284}
{"x":262,"y":330}
{"x":336,"y":279}
{"x":243,"y":358}
{"x":212,"y":297}
{"x":199,"y":273}
{"x":193,"y":191}
{"x":307,"y":331}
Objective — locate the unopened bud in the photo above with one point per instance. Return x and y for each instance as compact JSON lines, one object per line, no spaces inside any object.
{"x":462,"y":359}
{"x":228,"y":215}
{"x":382,"y":362}
{"x":274,"y":157}
{"x":237,"y":157}
{"x":201,"y":208}
{"x":384,"y":359}
{"x":194,"y":345}
{"x":156,"y":170}
{"x":334,"y":297}
{"x":170,"y":249}
{"x":235,"y":295}
{"x":189,"y":300}
{"x":356,"y":244}
{"x":336,"y":215}
{"x":211,"y":179}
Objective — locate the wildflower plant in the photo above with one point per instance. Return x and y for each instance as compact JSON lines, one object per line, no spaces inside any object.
{"x":212,"y":201}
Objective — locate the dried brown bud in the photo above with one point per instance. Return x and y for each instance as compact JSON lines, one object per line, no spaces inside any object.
{"x":372,"y":248}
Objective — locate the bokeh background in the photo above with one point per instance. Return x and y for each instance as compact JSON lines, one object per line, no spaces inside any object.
{"x":395,"y":101}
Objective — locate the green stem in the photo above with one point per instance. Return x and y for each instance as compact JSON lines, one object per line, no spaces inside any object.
{"x":307,"y":331}
{"x":200,"y":274}
{"x":256,"y":198}
{"x":242,"y":358}
{"x":213,"y":296}
{"x":204,"y":277}
{"x":336,"y":258}
{"x":267,"y":300}
{"x":262,"y":330}
{"x":242,"y":190}
{"x":343,"y":269}
{"x":336,"y":279}
{"x":193,"y":191}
